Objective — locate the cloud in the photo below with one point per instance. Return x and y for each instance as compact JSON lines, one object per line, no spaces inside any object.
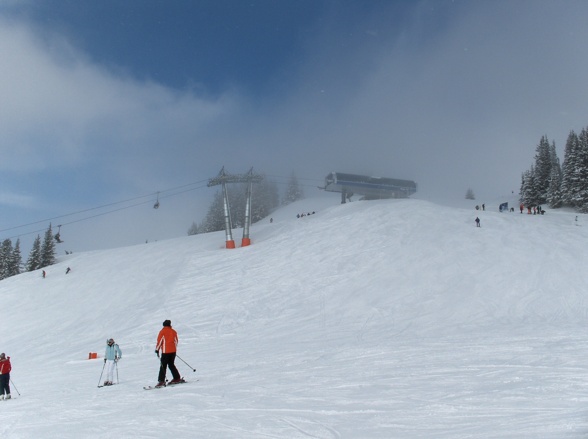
{"x":16,"y":200}
{"x":451,"y":94}
{"x":458,"y":98}
{"x":60,"y":110}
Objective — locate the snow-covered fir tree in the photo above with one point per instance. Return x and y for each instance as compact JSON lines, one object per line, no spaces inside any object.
{"x":554,"y":197}
{"x":542,"y":171}
{"x":193,"y":229}
{"x":16,"y":264}
{"x":266,"y":198}
{"x":580,"y":188}
{"x":564,"y":185}
{"x":5,"y":259}
{"x":34,"y":259}
{"x":528,"y":188}
{"x":293,"y":191}
{"x":214,"y":219}
{"x":568,"y":181}
{"x":48,"y":248}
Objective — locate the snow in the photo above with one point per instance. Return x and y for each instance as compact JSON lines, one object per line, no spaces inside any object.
{"x":379,"y":319}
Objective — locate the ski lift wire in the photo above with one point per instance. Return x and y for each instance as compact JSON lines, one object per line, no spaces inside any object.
{"x":99,"y":207}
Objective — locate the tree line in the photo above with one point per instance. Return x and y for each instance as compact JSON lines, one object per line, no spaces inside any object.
{"x":42,"y":255}
{"x":565,"y":185}
{"x":264,"y":200}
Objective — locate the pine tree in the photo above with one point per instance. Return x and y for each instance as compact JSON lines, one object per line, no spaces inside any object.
{"x":193,"y":229}
{"x":554,"y":188}
{"x":470,"y":195}
{"x":580,"y":196}
{"x":265,"y":199}
{"x":48,"y":249}
{"x":569,"y":177}
{"x":16,"y":262}
{"x":214,"y":219}
{"x":34,"y":260}
{"x":529,"y":188}
{"x":293,"y":191}
{"x":237,"y":200}
{"x":5,"y":258}
{"x":542,"y":173}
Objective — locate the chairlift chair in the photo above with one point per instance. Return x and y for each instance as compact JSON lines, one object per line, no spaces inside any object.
{"x":58,"y":235}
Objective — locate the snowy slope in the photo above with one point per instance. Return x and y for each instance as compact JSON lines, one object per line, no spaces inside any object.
{"x":381,"y":319}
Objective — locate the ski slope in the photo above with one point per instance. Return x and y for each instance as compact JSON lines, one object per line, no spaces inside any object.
{"x":381,"y":319}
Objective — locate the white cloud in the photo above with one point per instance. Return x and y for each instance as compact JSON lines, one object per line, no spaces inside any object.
{"x":61,"y":110}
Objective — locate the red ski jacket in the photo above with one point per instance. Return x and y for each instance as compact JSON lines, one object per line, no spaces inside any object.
{"x":5,"y":366}
{"x":167,"y":340}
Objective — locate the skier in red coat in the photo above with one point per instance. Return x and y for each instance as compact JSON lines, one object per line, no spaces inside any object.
{"x":167,"y":342}
{"x":5,"y":369}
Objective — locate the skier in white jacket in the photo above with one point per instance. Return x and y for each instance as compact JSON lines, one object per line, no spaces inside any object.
{"x":111,"y":356}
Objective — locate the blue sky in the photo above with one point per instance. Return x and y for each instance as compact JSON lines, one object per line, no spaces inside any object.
{"x":105,"y":101}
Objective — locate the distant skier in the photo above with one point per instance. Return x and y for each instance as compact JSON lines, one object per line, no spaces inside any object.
{"x":5,"y":369}
{"x":477,"y":222}
{"x":167,"y":343}
{"x":44,"y":274}
{"x":111,"y":357}
{"x":68,"y":270}
{"x":522,"y":207}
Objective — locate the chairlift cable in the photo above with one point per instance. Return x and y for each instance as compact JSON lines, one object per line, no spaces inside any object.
{"x":105,"y":205}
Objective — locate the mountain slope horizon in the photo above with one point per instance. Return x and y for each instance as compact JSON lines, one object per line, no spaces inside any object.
{"x":390,"y":318}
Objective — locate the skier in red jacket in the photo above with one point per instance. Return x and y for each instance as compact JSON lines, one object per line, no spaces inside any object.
{"x":167,"y":342}
{"x":5,"y":369}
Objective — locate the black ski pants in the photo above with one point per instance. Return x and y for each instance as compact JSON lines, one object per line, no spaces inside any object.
{"x":167,"y":361}
{"x":5,"y":384}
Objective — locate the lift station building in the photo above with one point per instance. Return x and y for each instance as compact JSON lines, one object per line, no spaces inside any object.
{"x":370,"y":188}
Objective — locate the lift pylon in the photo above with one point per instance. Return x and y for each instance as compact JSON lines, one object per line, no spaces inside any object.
{"x":223,"y":179}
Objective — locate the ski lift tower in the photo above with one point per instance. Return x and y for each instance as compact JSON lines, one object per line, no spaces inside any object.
{"x":250,"y":178}
{"x":223,"y":178}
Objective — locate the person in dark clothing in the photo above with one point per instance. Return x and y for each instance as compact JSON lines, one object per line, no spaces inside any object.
{"x":167,"y":343}
{"x":477,"y":222}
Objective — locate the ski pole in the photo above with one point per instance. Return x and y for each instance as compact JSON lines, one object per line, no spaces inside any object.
{"x":12,"y":382}
{"x":116,"y":363}
{"x":100,"y":379}
{"x":193,"y":370}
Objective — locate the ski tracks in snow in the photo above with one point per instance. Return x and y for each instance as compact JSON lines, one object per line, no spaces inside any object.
{"x":311,"y":429}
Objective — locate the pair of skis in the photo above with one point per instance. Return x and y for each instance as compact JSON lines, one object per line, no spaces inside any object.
{"x":168,"y":384}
